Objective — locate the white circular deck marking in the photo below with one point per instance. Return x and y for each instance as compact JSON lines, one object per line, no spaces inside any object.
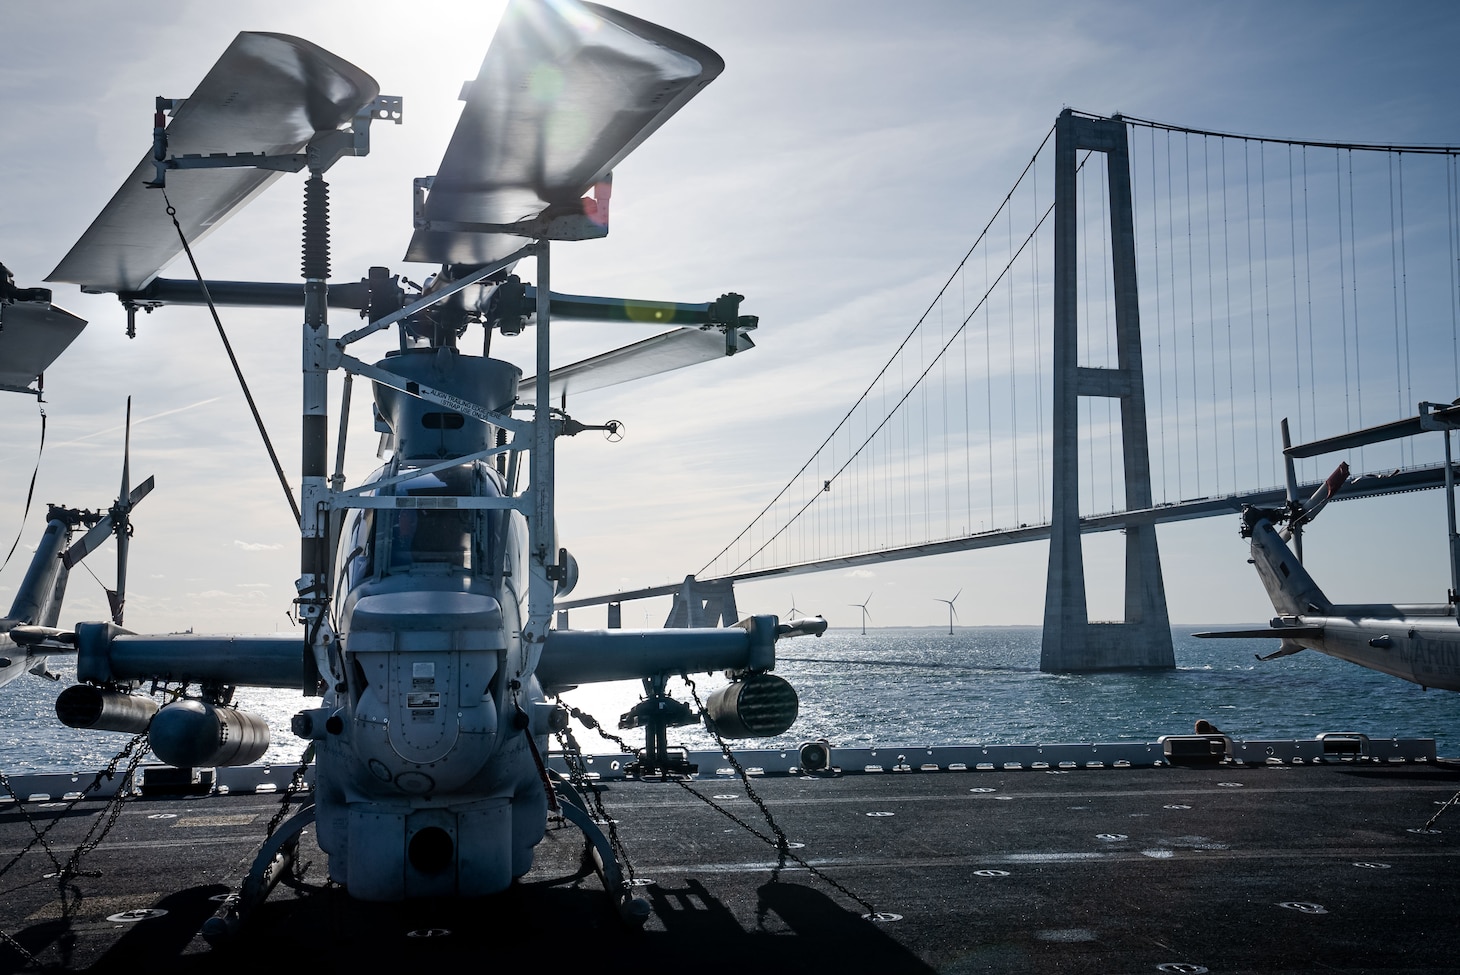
{"x":639,"y":882}
{"x":141,"y":914}
{"x":1370,"y":865}
{"x":1176,"y":805}
{"x":1304,"y":907}
{"x":1111,"y":837}
{"x":1422,"y":831}
{"x":725,"y":795}
{"x":429,"y":933}
{"x":879,"y":815}
{"x":1004,"y":798}
{"x":882,"y":916}
{"x":1183,"y":968}
{"x":981,"y":789}
{"x":795,"y":846}
{"x":163,"y":816}
{"x":991,"y":873}
{"x":1158,"y":854}
{"x":1230,"y":785}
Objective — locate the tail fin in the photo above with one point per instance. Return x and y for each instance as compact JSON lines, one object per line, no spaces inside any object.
{"x":38,"y":600}
{"x":1291,"y":589}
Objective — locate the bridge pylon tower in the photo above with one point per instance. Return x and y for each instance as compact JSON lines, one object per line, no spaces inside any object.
{"x":1071,"y":642}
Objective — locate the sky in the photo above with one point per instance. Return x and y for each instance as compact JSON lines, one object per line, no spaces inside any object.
{"x":834,"y":175}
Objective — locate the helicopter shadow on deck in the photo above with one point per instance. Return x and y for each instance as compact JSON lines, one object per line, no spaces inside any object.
{"x":793,"y":928}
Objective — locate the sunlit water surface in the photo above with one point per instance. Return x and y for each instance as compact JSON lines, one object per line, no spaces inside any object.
{"x":980,"y":685}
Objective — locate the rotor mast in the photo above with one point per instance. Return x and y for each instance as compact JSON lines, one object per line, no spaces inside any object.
{"x":541,"y":526}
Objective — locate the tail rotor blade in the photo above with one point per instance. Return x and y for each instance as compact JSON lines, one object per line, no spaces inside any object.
{"x":119,"y":598}
{"x":141,"y":491}
{"x":1294,"y":529}
{"x":88,"y":543}
{"x":125,"y":492}
{"x":123,"y":523}
{"x":1288,"y":463}
{"x":117,"y":522}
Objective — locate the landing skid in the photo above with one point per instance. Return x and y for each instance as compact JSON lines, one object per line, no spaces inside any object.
{"x":275,"y":858}
{"x":632,"y":910}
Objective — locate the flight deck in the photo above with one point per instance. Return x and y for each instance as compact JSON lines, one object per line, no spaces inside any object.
{"x":1278,"y":863}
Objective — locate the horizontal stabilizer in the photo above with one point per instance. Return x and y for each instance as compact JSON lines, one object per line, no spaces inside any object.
{"x":32,"y":335}
{"x":565,"y":92}
{"x":268,"y":93}
{"x":45,"y":639}
{"x":659,"y":354}
{"x":1267,"y":632}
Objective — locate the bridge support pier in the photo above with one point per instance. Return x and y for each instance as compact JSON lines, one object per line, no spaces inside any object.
{"x":703,"y":604}
{"x":1071,"y":642}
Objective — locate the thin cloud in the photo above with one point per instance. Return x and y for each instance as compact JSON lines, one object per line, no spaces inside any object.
{"x":138,"y":421}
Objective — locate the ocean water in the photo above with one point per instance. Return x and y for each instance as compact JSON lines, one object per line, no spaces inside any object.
{"x":922,"y":686}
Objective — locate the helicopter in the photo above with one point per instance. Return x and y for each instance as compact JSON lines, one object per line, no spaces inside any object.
{"x":33,"y":333}
{"x":36,"y":608}
{"x":426,"y":589}
{"x":1417,"y":642}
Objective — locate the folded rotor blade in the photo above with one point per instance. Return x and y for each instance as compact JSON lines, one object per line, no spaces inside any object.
{"x":661,"y":353}
{"x":268,"y":93}
{"x":565,"y":92}
{"x":32,"y":335}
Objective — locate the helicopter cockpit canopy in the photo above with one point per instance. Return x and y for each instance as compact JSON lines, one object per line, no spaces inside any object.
{"x":446,"y":540}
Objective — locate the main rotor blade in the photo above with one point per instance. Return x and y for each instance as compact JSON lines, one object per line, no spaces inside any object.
{"x":566,"y":91}
{"x":32,"y":335}
{"x":659,"y":354}
{"x":268,"y":93}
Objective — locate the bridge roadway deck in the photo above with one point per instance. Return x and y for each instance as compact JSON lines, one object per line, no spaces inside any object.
{"x":1231,"y":868}
{"x":1422,"y":478}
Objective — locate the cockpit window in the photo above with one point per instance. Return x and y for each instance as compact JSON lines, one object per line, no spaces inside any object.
{"x":442,"y":533}
{"x":361,"y":554}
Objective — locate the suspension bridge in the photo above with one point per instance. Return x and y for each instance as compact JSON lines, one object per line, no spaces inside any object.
{"x":1116,"y":350}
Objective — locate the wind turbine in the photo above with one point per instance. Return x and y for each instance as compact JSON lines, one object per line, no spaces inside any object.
{"x":952,"y":613}
{"x":793,"y":613}
{"x":863,"y":607}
